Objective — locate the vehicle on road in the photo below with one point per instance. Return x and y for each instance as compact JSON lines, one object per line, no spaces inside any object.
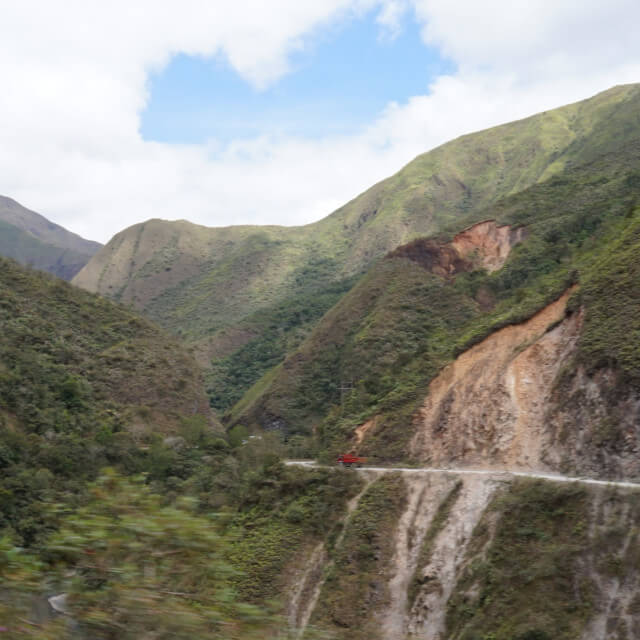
{"x":346,"y":460}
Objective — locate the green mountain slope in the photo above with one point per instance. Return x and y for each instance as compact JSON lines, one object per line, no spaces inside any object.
{"x":404,"y":321}
{"x":83,"y":384}
{"x":33,"y":240}
{"x":245,"y":296}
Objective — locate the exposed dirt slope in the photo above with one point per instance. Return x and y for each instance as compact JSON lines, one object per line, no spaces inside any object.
{"x":484,"y":245}
{"x":488,"y":244}
{"x":424,"y":495}
{"x":488,"y":406}
{"x":518,"y":400}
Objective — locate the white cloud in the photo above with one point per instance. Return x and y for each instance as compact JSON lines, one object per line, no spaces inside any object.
{"x":75,"y":81}
{"x":391,"y":15}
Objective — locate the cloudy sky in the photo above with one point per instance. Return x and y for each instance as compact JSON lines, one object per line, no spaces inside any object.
{"x":272,"y":111}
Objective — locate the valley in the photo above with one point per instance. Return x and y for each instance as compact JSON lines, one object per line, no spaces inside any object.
{"x":170,"y":419}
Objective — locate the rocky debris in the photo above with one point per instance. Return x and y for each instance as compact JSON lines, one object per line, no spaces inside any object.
{"x":485,"y":245}
{"x":425,"y":494}
{"x":59,"y":603}
{"x":426,"y":619}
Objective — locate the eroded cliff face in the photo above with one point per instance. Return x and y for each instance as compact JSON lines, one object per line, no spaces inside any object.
{"x":488,"y":407}
{"x":487,"y":244}
{"x":478,"y":556}
{"x":593,"y":425}
{"x":518,"y":401}
{"x":484,"y":245}
{"x":411,"y":564}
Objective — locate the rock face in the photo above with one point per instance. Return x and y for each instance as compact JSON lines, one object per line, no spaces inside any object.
{"x":487,"y":408}
{"x":594,"y":426}
{"x":465,"y":547}
{"x":516,"y":401}
{"x":485,"y":245}
{"x":438,"y":577}
{"x":488,"y":245}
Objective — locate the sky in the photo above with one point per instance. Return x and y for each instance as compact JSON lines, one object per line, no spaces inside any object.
{"x":272,"y":111}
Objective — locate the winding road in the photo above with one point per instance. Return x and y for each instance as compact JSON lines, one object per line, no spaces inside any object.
{"x":494,"y":473}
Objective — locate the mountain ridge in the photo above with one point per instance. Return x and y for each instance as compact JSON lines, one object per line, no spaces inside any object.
{"x":32,"y":239}
{"x":215,"y":287}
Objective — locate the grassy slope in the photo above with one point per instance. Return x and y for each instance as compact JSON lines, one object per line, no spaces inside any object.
{"x":82,"y":381}
{"x":28,"y":250}
{"x":357,"y":582}
{"x":397,"y":328}
{"x":221,"y":288}
{"x":284,"y":512}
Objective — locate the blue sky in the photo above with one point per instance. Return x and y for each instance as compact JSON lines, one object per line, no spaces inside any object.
{"x":347,"y":109}
{"x":339,"y":83}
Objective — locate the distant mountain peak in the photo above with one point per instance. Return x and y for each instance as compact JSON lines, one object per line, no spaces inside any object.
{"x":32,"y":239}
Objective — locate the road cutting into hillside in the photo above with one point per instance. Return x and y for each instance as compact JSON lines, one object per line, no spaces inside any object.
{"x":496,"y":474}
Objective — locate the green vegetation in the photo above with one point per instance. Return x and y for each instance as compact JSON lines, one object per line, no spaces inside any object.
{"x":284,"y":511}
{"x":279,"y":330}
{"x":132,"y":567}
{"x":86,"y":384}
{"x":211,"y":286}
{"x":611,"y":282}
{"x":526,"y":576}
{"x":77,"y":377}
{"x":321,"y":348}
{"x":401,"y":324}
{"x":356,"y":585}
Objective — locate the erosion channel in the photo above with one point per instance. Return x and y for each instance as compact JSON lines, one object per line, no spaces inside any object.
{"x":433,"y":571}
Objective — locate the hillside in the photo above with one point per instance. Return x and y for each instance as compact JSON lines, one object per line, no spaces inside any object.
{"x":245,"y":296}
{"x":446,"y":555}
{"x":528,"y":312}
{"x":33,"y":240}
{"x":489,"y":335}
{"x":83,"y":384}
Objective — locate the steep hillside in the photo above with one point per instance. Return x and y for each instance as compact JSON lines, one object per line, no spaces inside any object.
{"x":84,"y":383}
{"x":436,"y":555}
{"x":33,"y":240}
{"x":542,"y":338}
{"x":245,"y":296}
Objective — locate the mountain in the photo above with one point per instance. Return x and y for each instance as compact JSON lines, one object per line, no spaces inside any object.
{"x":488,"y":346}
{"x":33,"y":240}
{"x":84,"y":383}
{"x":489,"y":359}
{"x":246,"y":296}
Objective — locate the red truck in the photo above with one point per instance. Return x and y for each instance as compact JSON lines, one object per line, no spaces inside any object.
{"x":346,"y":460}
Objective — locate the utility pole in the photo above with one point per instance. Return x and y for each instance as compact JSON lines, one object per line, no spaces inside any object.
{"x":345,"y":387}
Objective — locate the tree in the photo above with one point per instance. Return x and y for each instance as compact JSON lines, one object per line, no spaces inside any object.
{"x":134,"y":568}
